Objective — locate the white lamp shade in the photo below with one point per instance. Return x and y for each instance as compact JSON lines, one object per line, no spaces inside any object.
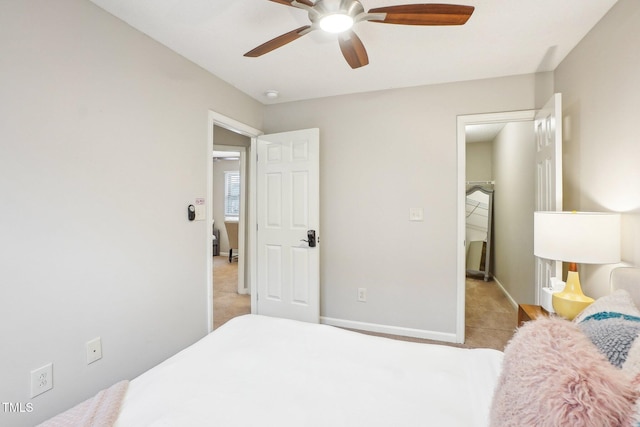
{"x":580,"y":237}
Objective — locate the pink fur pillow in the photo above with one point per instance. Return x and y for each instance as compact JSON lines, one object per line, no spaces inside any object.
{"x":553,"y":375}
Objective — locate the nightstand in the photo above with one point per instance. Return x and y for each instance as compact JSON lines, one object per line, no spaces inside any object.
{"x":528,"y":312}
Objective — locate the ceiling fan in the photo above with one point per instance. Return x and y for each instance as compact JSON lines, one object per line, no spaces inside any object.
{"x":339,"y":16}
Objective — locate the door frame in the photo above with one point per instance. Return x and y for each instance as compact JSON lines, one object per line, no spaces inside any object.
{"x":551,"y":112}
{"x":217,"y":119}
{"x":462,"y":122}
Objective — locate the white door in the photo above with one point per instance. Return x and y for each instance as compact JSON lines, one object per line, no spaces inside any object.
{"x":288,"y":279}
{"x":548,"y":129}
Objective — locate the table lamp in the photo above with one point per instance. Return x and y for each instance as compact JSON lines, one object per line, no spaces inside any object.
{"x":576,"y":237}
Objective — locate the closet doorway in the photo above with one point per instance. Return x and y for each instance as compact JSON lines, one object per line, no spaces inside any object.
{"x":497,"y":152}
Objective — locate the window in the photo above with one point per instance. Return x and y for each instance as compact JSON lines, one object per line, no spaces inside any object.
{"x":232,"y":194}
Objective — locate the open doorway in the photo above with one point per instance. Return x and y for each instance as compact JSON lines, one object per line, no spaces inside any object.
{"x":497,"y":152}
{"x":489,"y":315}
{"x":248,"y":229}
{"x":229,"y":205}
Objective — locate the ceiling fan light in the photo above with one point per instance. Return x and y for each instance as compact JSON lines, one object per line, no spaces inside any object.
{"x":336,"y":23}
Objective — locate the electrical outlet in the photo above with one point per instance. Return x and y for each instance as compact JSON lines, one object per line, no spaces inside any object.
{"x":94,"y":350}
{"x":362,"y":294}
{"x":41,"y":380}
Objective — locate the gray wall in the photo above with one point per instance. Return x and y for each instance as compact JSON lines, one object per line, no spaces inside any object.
{"x":103,"y":145}
{"x":514,"y":203}
{"x":479,"y":163}
{"x":601,"y":90}
{"x":382,"y":153}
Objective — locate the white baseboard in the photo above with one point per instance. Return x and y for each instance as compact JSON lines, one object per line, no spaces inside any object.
{"x":391,"y":330}
{"x":504,"y":291}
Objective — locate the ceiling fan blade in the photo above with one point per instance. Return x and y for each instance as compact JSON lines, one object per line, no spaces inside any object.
{"x":277,"y":42}
{"x":288,"y":2}
{"x":353,"y":50}
{"x":424,"y":14}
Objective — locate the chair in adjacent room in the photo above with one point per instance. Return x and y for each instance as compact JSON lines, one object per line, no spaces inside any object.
{"x":232,"y":235}
{"x":216,"y":240}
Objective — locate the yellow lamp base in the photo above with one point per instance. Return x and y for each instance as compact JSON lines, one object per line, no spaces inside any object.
{"x":571,"y":301}
{"x":569,"y":305}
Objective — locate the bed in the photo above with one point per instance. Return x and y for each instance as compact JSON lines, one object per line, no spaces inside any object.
{"x":257,"y":370}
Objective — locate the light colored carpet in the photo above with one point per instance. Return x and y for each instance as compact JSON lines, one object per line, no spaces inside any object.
{"x":490,"y":318}
{"x":227,"y":303}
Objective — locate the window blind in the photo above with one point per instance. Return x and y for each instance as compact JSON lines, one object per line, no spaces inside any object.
{"x":232,"y":194}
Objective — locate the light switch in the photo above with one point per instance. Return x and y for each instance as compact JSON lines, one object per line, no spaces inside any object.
{"x":416,"y":214}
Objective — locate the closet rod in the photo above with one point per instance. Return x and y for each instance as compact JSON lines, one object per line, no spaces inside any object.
{"x":480,"y":182}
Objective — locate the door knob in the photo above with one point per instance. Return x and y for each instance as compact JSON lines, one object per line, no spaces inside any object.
{"x":311,"y":238}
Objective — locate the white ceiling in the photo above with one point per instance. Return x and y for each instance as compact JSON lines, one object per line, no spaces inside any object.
{"x":502,"y":37}
{"x":482,"y":133}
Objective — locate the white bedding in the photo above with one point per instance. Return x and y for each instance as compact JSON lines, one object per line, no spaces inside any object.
{"x":262,"y":371}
